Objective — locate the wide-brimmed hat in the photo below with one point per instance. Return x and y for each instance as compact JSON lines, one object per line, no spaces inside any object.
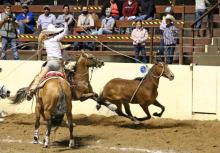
{"x":51,"y":29}
{"x":170,"y":17}
{"x":24,"y":6}
{"x":46,"y":7}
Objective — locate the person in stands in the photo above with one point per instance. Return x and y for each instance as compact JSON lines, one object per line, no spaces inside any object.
{"x":115,"y":6}
{"x":139,"y":36}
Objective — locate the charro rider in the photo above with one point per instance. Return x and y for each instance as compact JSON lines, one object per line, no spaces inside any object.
{"x":51,"y":38}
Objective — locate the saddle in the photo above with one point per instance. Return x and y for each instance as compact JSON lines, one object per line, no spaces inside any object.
{"x":51,"y":75}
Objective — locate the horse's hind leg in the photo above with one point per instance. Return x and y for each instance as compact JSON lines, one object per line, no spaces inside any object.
{"x":145,"y":109}
{"x":70,"y":123}
{"x":101,"y":101}
{"x":128,"y":111}
{"x":156,"y":103}
{"x":48,"y":129}
{"x":38,"y":110}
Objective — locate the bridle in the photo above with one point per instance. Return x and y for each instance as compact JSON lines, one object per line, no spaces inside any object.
{"x":160,"y":73}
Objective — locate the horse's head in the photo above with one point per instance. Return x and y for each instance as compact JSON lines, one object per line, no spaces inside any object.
{"x":91,"y":61}
{"x":162,"y":69}
{"x":4,"y":92}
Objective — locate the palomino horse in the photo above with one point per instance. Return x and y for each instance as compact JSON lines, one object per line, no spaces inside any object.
{"x":78,"y":77}
{"x":121,"y":91}
{"x":53,"y":100}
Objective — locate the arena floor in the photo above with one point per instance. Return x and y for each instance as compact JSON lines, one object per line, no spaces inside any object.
{"x":99,"y":134}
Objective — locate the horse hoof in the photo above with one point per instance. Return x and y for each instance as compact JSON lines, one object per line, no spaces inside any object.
{"x":156,"y":114}
{"x":71,"y":143}
{"x":45,"y":146}
{"x":35,"y":142}
{"x":136,"y":122}
{"x":112,"y":107}
{"x":98,"y":107}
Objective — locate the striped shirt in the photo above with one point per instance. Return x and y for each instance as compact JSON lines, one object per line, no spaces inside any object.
{"x":170,"y":34}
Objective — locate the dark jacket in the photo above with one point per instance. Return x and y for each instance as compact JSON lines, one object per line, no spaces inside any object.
{"x":130,"y":10}
{"x":108,"y":5}
{"x":147,"y":8}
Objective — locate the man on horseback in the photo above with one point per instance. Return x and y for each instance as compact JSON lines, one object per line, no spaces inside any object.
{"x":50,"y":39}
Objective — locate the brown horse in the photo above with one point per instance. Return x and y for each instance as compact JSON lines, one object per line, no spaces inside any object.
{"x":78,"y":77}
{"x":121,"y":91}
{"x":53,"y":100}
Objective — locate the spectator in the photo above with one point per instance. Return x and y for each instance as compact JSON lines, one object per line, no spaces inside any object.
{"x":25,"y":21}
{"x":167,"y":10}
{"x":169,"y":38}
{"x":86,"y":25}
{"x":107,"y":24}
{"x":129,"y":10}
{"x":116,"y":9}
{"x":147,"y":10}
{"x":45,"y":19}
{"x":139,"y":36}
{"x":200,"y":7}
{"x":66,"y":14}
{"x":21,"y":2}
{"x":8,"y":32}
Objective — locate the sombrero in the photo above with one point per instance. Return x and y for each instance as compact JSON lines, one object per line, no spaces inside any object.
{"x":51,"y":29}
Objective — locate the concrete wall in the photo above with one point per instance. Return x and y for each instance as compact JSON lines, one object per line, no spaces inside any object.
{"x":190,"y":91}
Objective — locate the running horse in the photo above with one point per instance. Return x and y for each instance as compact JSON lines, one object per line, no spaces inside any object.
{"x":142,"y":91}
{"x":78,"y":76}
{"x":53,"y":100}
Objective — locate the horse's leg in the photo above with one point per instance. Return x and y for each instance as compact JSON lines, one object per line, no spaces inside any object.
{"x":128,"y":111}
{"x":145,"y":109}
{"x":38,"y":111}
{"x":70,"y":125}
{"x":70,"y":120}
{"x":48,"y":129}
{"x":156,"y":103}
{"x":119,"y":111}
{"x":101,"y":101}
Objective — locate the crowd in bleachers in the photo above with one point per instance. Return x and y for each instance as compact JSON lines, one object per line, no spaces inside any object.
{"x":136,"y":10}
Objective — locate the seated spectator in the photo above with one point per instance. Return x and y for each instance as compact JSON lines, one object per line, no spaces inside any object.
{"x":147,"y":10}
{"x":129,"y":10}
{"x":66,"y":14}
{"x":107,"y":24}
{"x":169,"y":38}
{"x":85,"y":21}
{"x":116,"y":9}
{"x":85,"y":25}
{"x":25,"y":21}
{"x":21,"y":2}
{"x":139,"y":36}
{"x":45,"y":19}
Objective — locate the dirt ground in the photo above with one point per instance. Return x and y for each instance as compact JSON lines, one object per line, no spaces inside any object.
{"x":99,"y":134}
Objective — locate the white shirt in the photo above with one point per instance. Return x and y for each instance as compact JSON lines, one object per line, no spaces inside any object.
{"x":200,"y":4}
{"x":44,"y":21}
{"x":52,"y":45}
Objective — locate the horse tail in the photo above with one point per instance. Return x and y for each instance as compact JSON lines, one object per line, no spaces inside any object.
{"x":20,"y":96}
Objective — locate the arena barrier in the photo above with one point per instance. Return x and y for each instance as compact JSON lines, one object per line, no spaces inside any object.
{"x":193,"y":94}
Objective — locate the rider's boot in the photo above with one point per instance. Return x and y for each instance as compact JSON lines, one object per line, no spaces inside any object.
{"x":32,"y":88}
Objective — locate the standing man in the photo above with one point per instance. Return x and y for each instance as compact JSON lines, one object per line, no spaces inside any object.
{"x":200,"y":7}
{"x":139,"y":36}
{"x":169,"y":38}
{"x":8,"y":32}
{"x":25,"y":21}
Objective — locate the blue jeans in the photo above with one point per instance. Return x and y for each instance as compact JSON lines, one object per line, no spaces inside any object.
{"x":137,"y":50}
{"x":24,"y":28}
{"x":143,"y":17}
{"x":199,"y":13}
{"x":102,"y":31}
{"x":6,"y":41}
{"x":168,"y":53}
